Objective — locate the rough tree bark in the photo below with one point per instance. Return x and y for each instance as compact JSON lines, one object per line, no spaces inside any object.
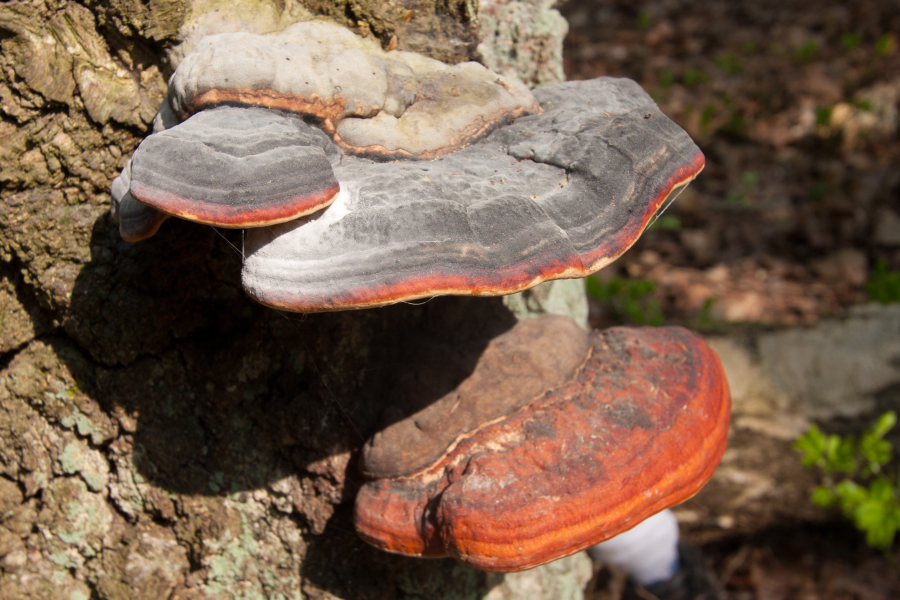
{"x":162,"y":436}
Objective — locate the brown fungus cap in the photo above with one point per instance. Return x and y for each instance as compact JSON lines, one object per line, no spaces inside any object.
{"x":236,"y":167}
{"x":556,"y":195}
{"x":379,"y":104}
{"x":639,"y":425}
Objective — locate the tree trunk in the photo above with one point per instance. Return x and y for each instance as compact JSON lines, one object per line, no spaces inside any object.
{"x":161,"y":435}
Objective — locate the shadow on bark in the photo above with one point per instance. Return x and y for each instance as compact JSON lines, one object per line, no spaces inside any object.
{"x":218,"y":397}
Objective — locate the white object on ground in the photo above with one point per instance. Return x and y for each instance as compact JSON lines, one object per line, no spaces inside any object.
{"x":648,"y":552}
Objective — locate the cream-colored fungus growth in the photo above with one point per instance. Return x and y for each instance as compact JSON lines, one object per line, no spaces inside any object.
{"x":375,"y":103}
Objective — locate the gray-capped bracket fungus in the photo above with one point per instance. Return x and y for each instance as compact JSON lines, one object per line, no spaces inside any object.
{"x":378,"y":104}
{"x":555,"y":195}
{"x":236,"y":168}
{"x":232,"y":168}
{"x":557,"y":440}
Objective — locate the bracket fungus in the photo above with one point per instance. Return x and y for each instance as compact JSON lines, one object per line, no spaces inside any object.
{"x":256,"y":167}
{"x":524,"y":463}
{"x":555,"y":195}
{"x":250,"y":167}
{"x":375,"y":103}
{"x":558,"y":439}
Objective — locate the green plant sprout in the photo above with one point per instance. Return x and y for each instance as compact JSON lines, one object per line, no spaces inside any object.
{"x":807,"y":50}
{"x":628,"y":299}
{"x":729,"y":63}
{"x":867,"y":493}
{"x":823,"y":116}
{"x":851,"y":41}
{"x":883,"y":285}
{"x":644,"y":20}
{"x":705,"y":316}
{"x":885,"y":45}
{"x":665,"y":223}
{"x":742,"y":196}
{"x":692,"y":77}
{"x":666,"y":79}
{"x":706,"y":117}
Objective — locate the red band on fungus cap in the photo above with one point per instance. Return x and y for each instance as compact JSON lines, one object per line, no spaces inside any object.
{"x":639,"y":427}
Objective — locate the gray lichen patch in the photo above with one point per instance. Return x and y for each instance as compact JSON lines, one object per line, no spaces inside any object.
{"x":389,"y":104}
{"x":76,"y":519}
{"x":523,"y":39}
{"x":43,"y":375}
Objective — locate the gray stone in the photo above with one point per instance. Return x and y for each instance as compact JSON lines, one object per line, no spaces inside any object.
{"x":840,"y":373}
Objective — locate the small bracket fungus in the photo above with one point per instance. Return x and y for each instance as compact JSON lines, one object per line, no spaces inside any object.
{"x":536,"y":455}
{"x":236,"y":167}
{"x":555,"y":195}
{"x":375,"y":103}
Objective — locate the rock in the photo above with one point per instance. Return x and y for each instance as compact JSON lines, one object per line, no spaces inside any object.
{"x":564,"y":579}
{"x":835,"y":373}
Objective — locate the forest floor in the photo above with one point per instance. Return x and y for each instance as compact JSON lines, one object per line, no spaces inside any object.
{"x":795,"y":218}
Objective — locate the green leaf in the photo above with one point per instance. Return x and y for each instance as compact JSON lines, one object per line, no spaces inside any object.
{"x":876,"y":518}
{"x":665,"y":223}
{"x":851,"y":495}
{"x":883,"y":285}
{"x":692,"y":77}
{"x":882,"y":489}
{"x":884,"y":424}
{"x":851,"y":40}
{"x":875,"y":450}
{"x":594,"y":287}
{"x":812,"y":445}
{"x":843,"y":457}
{"x":823,"y":497}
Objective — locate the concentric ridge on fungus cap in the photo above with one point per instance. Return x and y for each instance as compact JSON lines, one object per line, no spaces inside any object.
{"x":375,"y":103}
{"x":638,"y":425}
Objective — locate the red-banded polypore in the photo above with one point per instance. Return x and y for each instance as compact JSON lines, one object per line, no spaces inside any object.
{"x":557,"y":440}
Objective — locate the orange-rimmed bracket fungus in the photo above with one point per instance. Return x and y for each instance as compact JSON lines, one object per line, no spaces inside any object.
{"x":263,"y":165}
{"x":558,"y":440}
{"x":236,"y":167}
{"x":555,"y":195}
